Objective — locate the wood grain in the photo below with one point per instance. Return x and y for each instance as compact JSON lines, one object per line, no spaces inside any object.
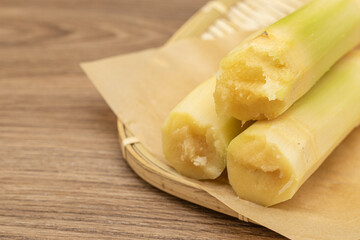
{"x":62,"y":175}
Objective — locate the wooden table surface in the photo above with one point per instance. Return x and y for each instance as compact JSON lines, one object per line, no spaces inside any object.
{"x":62,"y":175}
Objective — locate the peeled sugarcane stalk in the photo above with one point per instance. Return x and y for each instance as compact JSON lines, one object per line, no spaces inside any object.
{"x":194,"y":139}
{"x":270,"y":160}
{"x":264,"y":76}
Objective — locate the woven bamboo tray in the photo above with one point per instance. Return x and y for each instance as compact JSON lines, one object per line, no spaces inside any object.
{"x":215,"y":20}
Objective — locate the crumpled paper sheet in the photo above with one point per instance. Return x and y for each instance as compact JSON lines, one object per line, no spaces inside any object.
{"x":142,"y":88}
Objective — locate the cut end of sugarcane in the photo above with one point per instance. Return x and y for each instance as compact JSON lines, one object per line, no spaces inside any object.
{"x":252,"y":79}
{"x":270,"y":160}
{"x":258,"y":172}
{"x":191,"y":148}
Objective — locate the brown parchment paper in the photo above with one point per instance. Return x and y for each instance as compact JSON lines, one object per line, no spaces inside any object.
{"x":142,"y":88}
